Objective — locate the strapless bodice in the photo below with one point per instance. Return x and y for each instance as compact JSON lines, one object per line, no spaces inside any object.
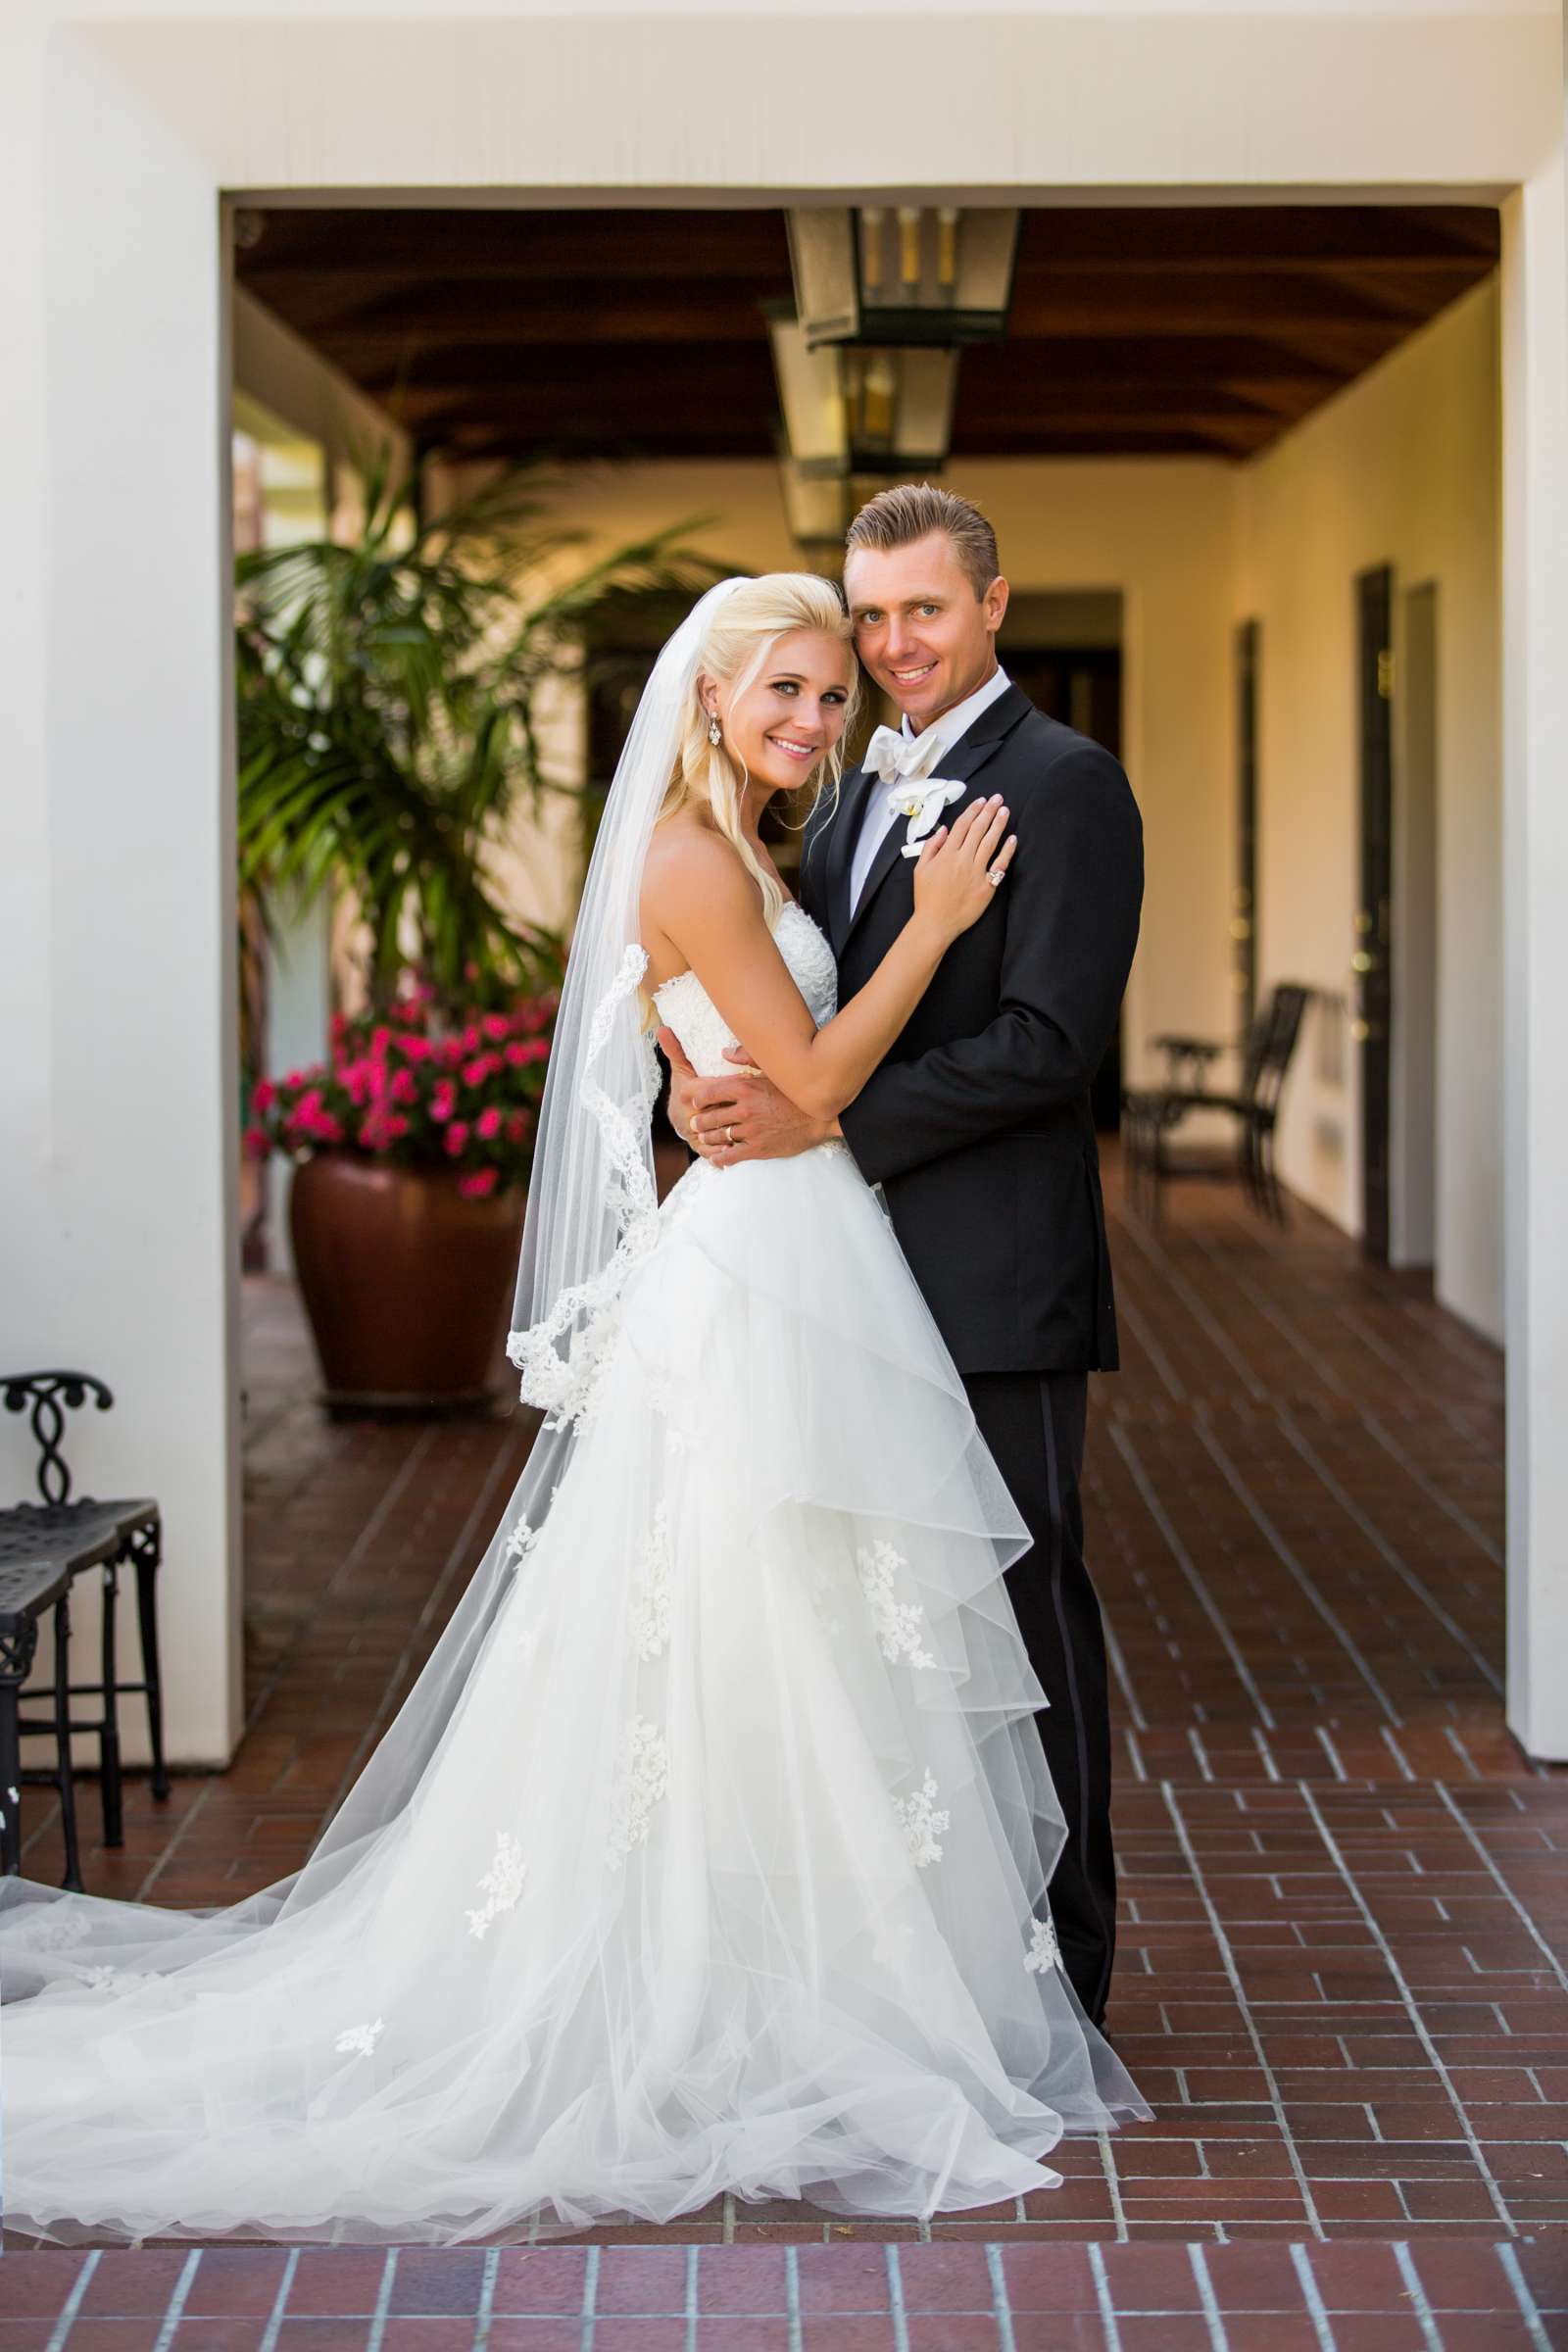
{"x":686,"y":1006}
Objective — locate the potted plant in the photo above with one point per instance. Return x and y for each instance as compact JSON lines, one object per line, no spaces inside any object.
{"x":413,"y":1140}
{"x":386,"y":696}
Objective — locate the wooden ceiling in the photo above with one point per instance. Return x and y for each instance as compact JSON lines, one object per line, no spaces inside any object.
{"x":1204,"y":331}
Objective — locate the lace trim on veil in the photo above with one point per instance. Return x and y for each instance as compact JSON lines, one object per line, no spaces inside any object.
{"x":562,"y":1380}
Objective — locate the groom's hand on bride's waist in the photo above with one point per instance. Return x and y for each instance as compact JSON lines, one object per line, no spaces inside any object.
{"x":740,"y":1118}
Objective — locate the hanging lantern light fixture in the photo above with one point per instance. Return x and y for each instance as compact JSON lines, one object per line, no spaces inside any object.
{"x":903,"y":273}
{"x":854,"y":410}
{"x":866,"y":355}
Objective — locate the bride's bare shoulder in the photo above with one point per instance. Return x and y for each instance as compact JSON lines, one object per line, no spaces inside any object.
{"x":695,"y":893}
{"x":688,"y":867}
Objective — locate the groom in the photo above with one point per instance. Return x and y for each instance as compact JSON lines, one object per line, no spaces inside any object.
{"x":977,"y":1126}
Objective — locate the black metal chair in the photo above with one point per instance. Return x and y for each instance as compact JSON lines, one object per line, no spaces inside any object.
{"x":1151,"y":1116}
{"x":31,"y":1589}
{"x":76,"y":1536}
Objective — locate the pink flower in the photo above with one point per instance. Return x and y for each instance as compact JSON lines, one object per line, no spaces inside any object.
{"x":414,"y":1048}
{"x":482,"y":1182}
{"x":526,"y":1049}
{"x":495,"y":1026}
{"x":488,"y":1123}
{"x":264,"y":1095}
{"x":457,"y":1138}
{"x":404,"y":1087}
{"x":443,"y":1099}
{"x":380,"y":1039}
{"x":257,"y":1142}
{"x":475,"y":1073}
{"x":516,"y":1126}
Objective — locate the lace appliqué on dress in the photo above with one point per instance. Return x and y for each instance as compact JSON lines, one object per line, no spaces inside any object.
{"x":115,"y":1979}
{"x":922,"y":1824}
{"x":651,"y":1597}
{"x":643,"y":1778}
{"x":1044,"y":1952}
{"x":359,"y":2041}
{"x":565,"y":1384}
{"x":899,"y":1624}
{"x":502,"y":1883}
{"x":54,"y":1930}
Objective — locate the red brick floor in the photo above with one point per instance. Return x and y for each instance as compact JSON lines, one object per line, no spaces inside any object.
{"x":1342,"y":1976}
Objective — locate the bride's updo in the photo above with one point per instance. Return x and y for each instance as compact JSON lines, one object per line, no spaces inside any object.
{"x":741,"y":637}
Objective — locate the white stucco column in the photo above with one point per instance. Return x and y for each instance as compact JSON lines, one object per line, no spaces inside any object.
{"x":116,"y":1194}
{"x":1534,"y":734}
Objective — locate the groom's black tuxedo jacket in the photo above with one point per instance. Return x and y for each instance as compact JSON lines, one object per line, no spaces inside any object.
{"x":977,"y":1125}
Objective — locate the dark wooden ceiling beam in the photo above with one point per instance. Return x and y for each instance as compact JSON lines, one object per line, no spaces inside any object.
{"x":1260,"y":237}
{"x":700,"y":373}
{"x":1126,"y":301}
{"x":541,"y":245}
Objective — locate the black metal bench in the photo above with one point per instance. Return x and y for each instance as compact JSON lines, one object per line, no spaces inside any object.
{"x":1151,"y":1115}
{"x":30,"y":1590}
{"x":72,"y":1536}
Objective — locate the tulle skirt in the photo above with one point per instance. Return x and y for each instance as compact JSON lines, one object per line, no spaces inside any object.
{"x":724,"y":1865}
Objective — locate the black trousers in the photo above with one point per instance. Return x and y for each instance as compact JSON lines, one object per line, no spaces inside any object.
{"x":1034,"y":1425}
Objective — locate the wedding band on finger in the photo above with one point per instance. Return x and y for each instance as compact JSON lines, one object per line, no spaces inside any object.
{"x":994,"y":874}
{"x":729,"y":1135}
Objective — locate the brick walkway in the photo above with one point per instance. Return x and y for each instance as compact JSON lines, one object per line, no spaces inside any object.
{"x":1341,"y":1975}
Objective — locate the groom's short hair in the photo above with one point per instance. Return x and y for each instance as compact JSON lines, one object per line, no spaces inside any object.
{"x":912,"y":510}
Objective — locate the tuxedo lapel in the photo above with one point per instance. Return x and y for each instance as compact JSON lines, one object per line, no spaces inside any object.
{"x":968,"y":755}
{"x":843,"y":832}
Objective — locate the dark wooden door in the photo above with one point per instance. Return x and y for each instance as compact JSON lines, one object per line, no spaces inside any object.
{"x":1371,"y":958}
{"x":1082,"y":687}
{"x":1244,"y":910}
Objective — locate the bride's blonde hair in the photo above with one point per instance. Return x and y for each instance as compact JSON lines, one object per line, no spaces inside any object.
{"x":741,"y":637}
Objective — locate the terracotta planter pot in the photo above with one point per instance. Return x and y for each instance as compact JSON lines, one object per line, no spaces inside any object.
{"x":408,"y":1285}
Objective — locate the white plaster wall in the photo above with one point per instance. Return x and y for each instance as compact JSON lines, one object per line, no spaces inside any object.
{"x":1403,"y":468}
{"x":1534,"y":541}
{"x":117,"y":1187}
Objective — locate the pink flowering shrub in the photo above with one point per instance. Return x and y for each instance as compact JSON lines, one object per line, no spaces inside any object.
{"x":415,"y":1090}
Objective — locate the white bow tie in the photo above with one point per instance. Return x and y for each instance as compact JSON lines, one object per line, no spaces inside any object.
{"x":897,"y":760}
{"x":893,"y":755}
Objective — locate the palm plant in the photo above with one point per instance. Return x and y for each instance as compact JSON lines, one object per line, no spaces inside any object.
{"x":386,"y":694}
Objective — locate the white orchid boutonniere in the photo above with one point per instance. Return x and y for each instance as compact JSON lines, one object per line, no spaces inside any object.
{"x":921,"y":800}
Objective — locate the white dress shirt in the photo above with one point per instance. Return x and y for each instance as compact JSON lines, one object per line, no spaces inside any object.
{"x":934,"y":741}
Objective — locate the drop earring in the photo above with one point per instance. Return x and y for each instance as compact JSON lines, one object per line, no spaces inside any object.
{"x":716,"y":733}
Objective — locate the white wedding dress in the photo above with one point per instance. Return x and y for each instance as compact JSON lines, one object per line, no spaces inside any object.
{"x":728,"y":1870}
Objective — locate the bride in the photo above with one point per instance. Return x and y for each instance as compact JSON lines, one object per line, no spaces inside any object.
{"x":710,"y":1851}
